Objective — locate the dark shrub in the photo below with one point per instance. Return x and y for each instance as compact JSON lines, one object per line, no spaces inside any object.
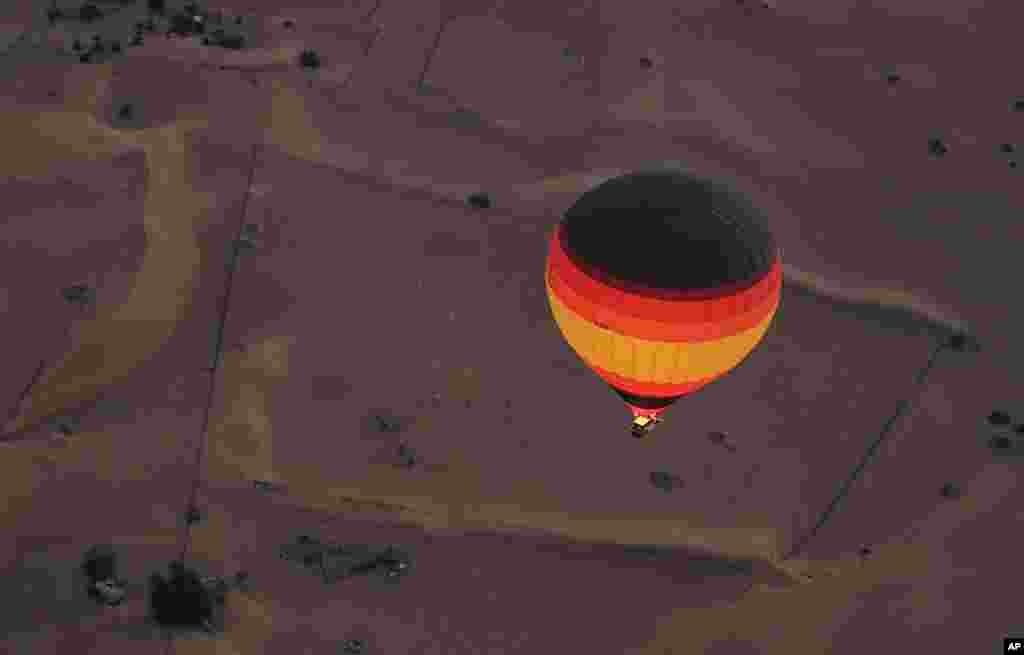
{"x":232,"y":42}
{"x":89,"y":12}
{"x":999,"y":417}
{"x":309,"y":59}
{"x":479,"y":201}
{"x":181,"y":600}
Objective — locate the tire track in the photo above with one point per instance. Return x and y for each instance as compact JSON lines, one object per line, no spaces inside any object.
{"x":26,"y":391}
{"x":218,"y":352}
{"x":445,"y":20}
{"x":919,"y":383}
{"x":186,"y":534}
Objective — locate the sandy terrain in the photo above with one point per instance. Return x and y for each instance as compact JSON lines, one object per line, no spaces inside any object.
{"x":278,"y":255}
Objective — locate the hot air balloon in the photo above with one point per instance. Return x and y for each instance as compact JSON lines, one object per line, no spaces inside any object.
{"x":661,"y":282}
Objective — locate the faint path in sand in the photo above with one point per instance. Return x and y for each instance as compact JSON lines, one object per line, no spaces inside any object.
{"x":112,"y":344}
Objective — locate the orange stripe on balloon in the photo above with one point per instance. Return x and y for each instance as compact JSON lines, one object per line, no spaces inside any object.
{"x":602,"y":303}
{"x":609,"y":318}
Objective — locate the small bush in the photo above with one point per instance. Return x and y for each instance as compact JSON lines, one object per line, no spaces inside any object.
{"x":950,"y":490}
{"x":89,"y":12}
{"x":99,"y":563}
{"x":387,"y":422}
{"x":64,"y":424}
{"x":79,"y":294}
{"x":479,"y":201}
{"x":407,"y":457}
{"x":937,"y":148}
{"x":664,"y":481}
{"x":232,"y":42}
{"x":999,"y":417}
{"x":353,"y":647}
{"x":1001,"y":443}
{"x":309,"y":59}
{"x":193,"y":515}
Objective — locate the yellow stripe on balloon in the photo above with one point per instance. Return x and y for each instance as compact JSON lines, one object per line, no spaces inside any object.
{"x":654,"y":361}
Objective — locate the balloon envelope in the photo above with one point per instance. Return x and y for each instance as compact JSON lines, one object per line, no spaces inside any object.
{"x":662,"y":282}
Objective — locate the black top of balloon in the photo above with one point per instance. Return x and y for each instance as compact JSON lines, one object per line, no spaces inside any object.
{"x":669,"y":230}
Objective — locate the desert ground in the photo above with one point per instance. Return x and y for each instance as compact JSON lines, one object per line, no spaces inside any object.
{"x":270,"y":271}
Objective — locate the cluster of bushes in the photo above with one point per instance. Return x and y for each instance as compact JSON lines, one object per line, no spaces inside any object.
{"x":1007,"y":437}
{"x":337,"y":561}
{"x":86,"y":13}
{"x":96,"y":48}
{"x":221,"y":39}
{"x":187,"y":22}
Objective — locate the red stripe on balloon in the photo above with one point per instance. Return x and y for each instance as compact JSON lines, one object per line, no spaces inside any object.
{"x":650,"y":389}
{"x":684,"y":318}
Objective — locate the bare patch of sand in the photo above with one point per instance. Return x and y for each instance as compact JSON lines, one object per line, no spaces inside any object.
{"x":23,"y":470}
{"x":289,"y":125}
{"x":241,"y":439}
{"x":42,"y":138}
